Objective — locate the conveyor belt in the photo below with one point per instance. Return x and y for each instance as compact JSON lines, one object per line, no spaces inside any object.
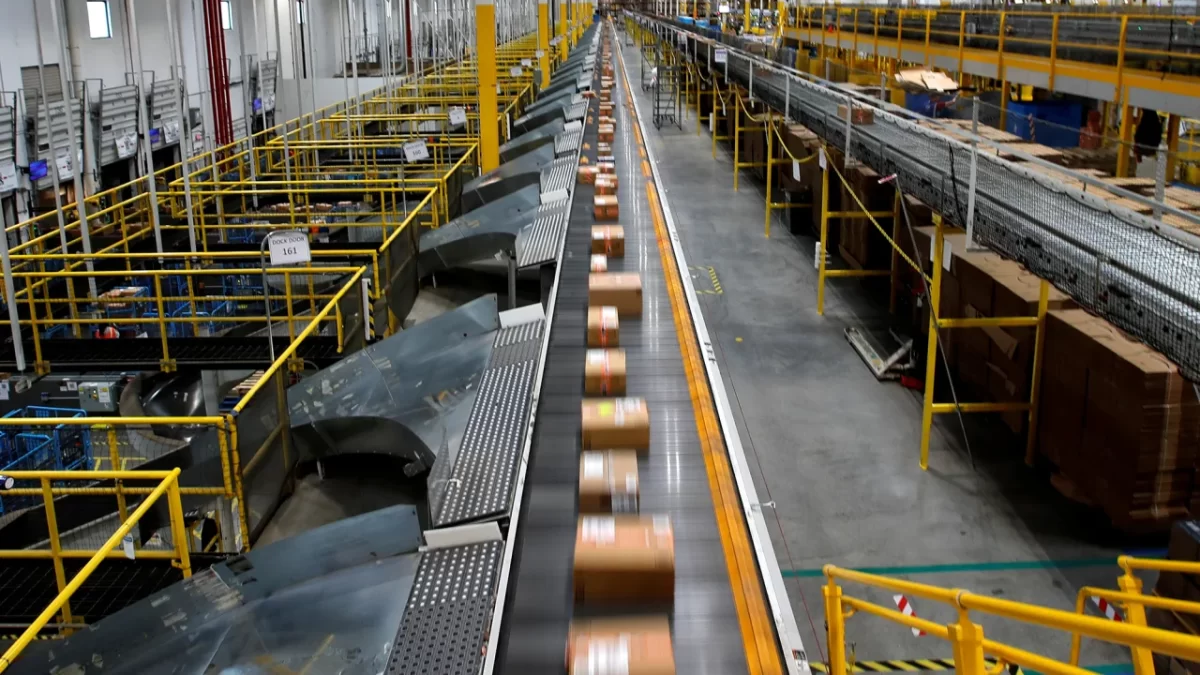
{"x":672,"y":477}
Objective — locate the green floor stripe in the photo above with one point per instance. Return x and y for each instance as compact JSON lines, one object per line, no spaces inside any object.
{"x":1000,"y":566}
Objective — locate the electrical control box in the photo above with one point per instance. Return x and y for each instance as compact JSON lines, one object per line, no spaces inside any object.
{"x":100,"y":396}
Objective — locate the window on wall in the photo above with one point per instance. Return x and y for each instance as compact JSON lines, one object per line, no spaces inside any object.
{"x":301,"y":13}
{"x":99,"y":19}
{"x":226,"y":15}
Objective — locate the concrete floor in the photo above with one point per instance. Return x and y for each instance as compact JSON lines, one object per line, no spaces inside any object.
{"x":837,"y":451}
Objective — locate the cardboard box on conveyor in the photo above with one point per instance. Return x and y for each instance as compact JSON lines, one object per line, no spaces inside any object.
{"x":635,"y":645}
{"x":624,"y":560}
{"x":608,"y":481}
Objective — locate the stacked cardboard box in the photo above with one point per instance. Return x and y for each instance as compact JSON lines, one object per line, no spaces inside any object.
{"x":1119,"y":421}
{"x":992,"y":364}
{"x":860,"y":242}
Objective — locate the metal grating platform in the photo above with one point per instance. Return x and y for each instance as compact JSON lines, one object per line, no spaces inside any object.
{"x":558,"y":175}
{"x":447,"y":612}
{"x":481,"y":482}
{"x":568,"y":142}
{"x":538,"y":242}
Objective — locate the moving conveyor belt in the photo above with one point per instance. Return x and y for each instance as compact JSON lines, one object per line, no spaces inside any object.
{"x":672,"y":477}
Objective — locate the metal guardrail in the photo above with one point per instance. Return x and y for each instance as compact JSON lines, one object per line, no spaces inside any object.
{"x":49,"y":487}
{"x":966,"y":637}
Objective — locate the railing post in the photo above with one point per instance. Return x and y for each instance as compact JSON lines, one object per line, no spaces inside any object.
{"x":835,"y":626}
{"x":60,"y":573}
{"x":1135,"y":615}
{"x":178,"y":528}
{"x":821,"y":243}
{"x":967,"y":639}
{"x":770,"y":170}
{"x":114,"y":458}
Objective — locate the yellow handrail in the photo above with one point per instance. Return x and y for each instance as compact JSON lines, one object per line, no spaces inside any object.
{"x":966,"y":637}
{"x":169,"y":485}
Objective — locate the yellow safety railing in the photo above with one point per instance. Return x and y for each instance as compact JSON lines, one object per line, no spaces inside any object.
{"x":1134,"y":603}
{"x":49,"y":487}
{"x":265,"y":403}
{"x":966,"y":637}
{"x":140,"y":300}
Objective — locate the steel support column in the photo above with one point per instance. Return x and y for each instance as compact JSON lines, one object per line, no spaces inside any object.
{"x":485,"y":51}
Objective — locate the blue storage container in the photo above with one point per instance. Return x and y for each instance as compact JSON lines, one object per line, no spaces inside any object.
{"x":1051,"y":123}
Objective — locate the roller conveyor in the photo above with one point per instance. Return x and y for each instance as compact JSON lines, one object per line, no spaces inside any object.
{"x":673,"y":481}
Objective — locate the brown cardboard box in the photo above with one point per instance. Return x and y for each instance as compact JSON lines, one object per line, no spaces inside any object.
{"x":622,"y":290}
{"x":631,"y":645}
{"x":606,"y":184}
{"x":604,"y":133}
{"x":587,"y":174}
{"x":1132,"y":445}
{"x":608,"y":481}
{"x":604,"y":372}
{"x":599,"y":263}
{"x":609,"y":121}
{"x":606,"y":96}
{"x":1184,"y":546}
{"x":609,"y":240}
{"x":860,"y":115}
{"x":603,"y":327}
{"x":622,"y":423}
{"x":624,"y":559}
{"x":606,"y":166}
{"x":606,"y":110}
{"x":603,"y":149}
{"x":606,"y":207}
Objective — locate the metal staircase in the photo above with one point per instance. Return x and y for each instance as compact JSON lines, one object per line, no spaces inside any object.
{"x":667,"y":99}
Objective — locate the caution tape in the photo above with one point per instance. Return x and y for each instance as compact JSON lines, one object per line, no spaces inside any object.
{"x":906,"y":609}
{"x":907,"y":665}
{"x":1107,"y":608}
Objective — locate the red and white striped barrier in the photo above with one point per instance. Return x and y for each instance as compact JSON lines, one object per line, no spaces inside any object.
{"x":906,"y":609}
{"x":1107,"y":608}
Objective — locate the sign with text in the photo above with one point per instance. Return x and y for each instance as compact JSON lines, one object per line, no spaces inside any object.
{"x":525,"y":63}
{"x":515,"y":71}
{"x":170,"y":132}
{"x":289,"y":248}
{"x":720,"y":56}
{"x":126,"y":145}
{"x":458,"y":116}
{"x":416,"y":151}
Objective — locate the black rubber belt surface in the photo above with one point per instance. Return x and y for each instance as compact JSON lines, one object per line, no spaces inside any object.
{"x":705,"y":630}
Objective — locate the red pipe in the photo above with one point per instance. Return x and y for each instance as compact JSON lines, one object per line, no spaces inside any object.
{"x":408,"y":30}
{"x":218,"y":73}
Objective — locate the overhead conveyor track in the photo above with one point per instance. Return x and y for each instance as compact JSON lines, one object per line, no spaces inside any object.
{"x":1140,"y":272}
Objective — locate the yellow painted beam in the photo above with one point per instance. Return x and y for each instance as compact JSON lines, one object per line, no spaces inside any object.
{"x":544,"y":41}
{"x":485,"y":50}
